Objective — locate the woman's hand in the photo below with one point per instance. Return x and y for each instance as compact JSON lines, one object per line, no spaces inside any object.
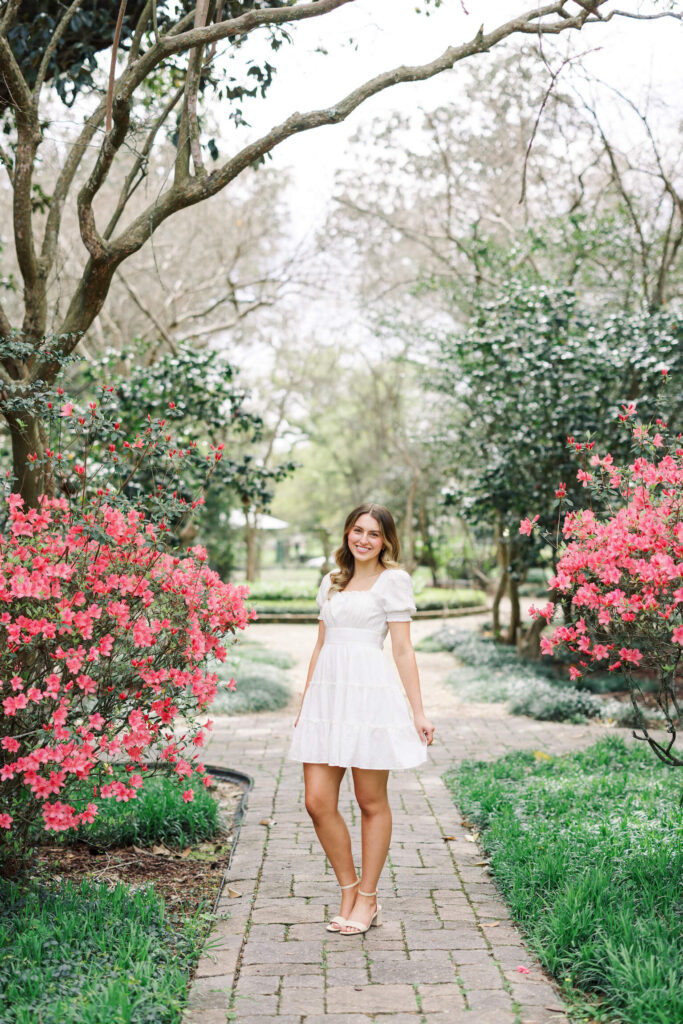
{"x":425,"y":729}
{"x":296,"y":720}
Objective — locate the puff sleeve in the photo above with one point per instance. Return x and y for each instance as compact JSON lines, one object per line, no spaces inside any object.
{"x":322,"y":593}
{"x":398,"y":597}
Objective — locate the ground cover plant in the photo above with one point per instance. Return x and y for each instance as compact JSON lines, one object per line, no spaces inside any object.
{"x":81,"y":953}
{"x":160,"y":814}
{"x":260,"y":679}
{"x":495,"y":672}
{"x":586,"y":849}
{"x":113,"y":917}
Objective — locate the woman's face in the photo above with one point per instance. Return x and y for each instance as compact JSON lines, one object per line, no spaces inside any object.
{"x":365,"y":538}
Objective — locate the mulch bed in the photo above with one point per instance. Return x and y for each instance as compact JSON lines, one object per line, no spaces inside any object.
{"x":185,"y":878}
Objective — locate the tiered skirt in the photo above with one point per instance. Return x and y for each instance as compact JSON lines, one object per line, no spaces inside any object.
{"x":355,"y":713}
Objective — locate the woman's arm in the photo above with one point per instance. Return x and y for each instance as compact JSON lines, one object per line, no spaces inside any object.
{"x":311,"y":665}
{"x":404,"y":656}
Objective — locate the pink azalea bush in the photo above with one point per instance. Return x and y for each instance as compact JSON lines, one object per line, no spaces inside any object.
{"x":104,"y":640}
{"x":620,"y":573}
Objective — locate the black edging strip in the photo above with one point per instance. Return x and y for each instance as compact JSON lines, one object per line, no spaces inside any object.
{"x":247,"y":782}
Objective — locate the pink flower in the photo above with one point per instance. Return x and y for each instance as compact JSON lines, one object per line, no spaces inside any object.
{"x":527,"y":525}
{"x":677,"y":635}
{"x":89,"y":814}
{"x":6,"y":820}
{"x":523,"y":970}
{"x":66,"y":409}
{"x":188,"y":796}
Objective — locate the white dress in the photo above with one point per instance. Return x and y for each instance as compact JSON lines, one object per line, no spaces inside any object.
{"x":355,"y":713}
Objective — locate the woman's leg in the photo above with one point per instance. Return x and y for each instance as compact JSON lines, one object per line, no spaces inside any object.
{"x":322,"y":782}
{"x":371,"y":792}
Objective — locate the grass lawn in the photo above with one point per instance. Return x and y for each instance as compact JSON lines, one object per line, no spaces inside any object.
{"x":109,"y":923}
{"x":587,"y":850}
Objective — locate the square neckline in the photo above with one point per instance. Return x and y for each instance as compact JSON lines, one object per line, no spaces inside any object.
{"x":368,"y":589}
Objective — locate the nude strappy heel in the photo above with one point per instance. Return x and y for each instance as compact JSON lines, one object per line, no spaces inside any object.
{"x":376,"y":918}
{"x":340,"y":921}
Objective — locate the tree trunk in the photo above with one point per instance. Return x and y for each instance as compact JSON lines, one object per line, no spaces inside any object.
{"x":502,"y":553}
{"x":428,"y":557}
{"x":29,"y":477}
{"x":408,"y":535}
{"x":515,"y":611}
{"x":529,"y":644}
{"x":326,"y":544}
{"x":250,"y":536}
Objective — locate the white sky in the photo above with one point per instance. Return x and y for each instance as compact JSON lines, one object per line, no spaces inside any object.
{"x":637,"y":57}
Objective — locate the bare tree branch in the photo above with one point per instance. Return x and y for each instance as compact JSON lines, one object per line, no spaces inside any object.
{"x":628,"y":202}
{"x":641,"y":17}
{"x":140,"y":30}
{"x":192,"y":90}
{"x":8,"y":163}
{"x":148,"y":313}
{"x":28,"y":139}
{"x":138,"y":170}
{"x":112,"y":70}
{"x":93,"y":241}
{"x":9,"y":16}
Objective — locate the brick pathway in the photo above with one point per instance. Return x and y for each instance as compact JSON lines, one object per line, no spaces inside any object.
{"x":439,"y":958}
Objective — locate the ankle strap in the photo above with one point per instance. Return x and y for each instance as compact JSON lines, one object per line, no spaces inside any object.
{"x":351,"y":885}
{"x":361,"y":893}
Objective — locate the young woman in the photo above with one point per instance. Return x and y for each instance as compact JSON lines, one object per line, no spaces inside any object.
{"x":353,"y":713}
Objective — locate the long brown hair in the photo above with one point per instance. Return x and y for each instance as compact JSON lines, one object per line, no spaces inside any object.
{"x":388,"y":556}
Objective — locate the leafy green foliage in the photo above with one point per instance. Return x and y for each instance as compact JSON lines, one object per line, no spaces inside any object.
{"x":197,"y":394}
{"x":81,"y":954}
{"x":534,"y":368}
{"x":73,"y":65}
{"x":496,"y":673}
{"x":157,"y":815}
{"x":586,"y":848}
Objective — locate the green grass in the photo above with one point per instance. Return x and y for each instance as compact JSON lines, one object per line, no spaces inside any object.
{"x":494,"y":672}
{"x":86,"y":954}
{"x":587,"y":849}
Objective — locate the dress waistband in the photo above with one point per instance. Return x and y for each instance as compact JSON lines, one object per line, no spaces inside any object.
{"x":349,"y":635}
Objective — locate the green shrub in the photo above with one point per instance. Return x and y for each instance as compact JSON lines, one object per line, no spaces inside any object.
{"x":587,"y":850}
{"x":434,"y":598}
{"x":87,"y":953}
{"x":272,"y":590}
{"x":495,"y":672}
{"x":282,"y":606}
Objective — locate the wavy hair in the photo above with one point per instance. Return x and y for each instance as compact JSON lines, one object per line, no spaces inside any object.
{"x":388,"y":556}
